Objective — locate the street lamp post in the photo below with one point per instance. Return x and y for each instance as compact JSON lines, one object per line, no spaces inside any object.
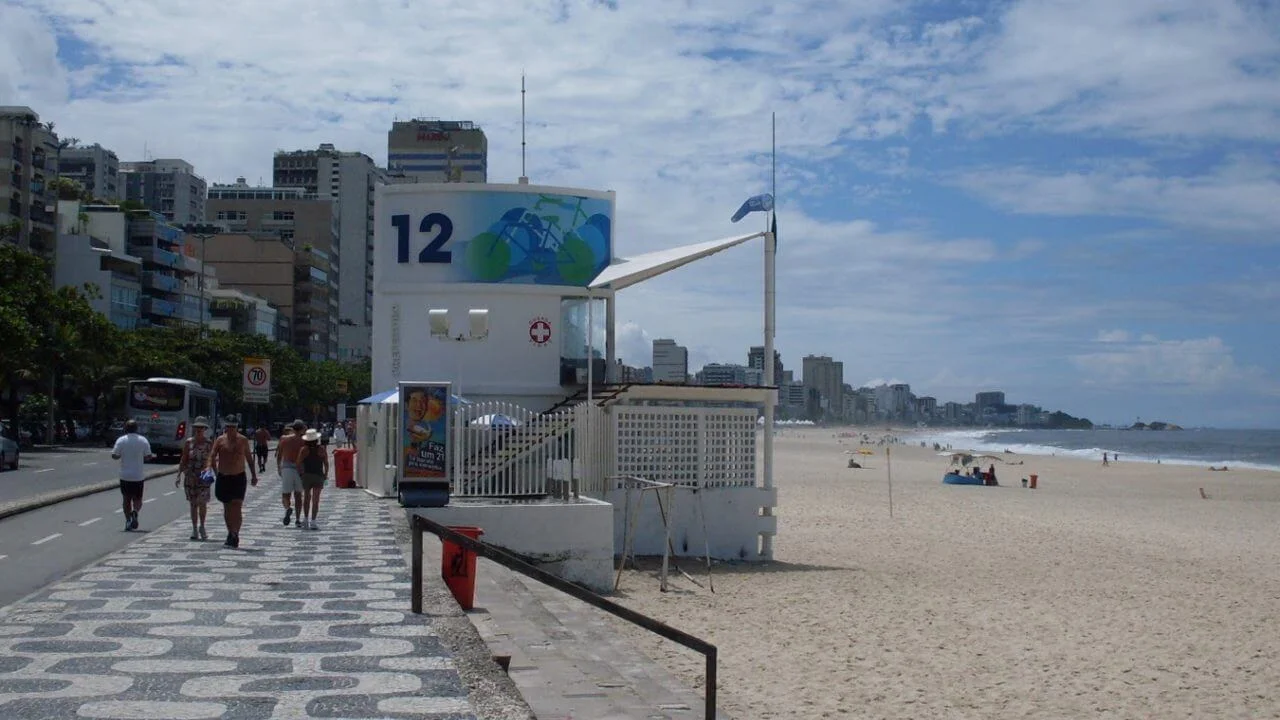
{"x":202,"y":232}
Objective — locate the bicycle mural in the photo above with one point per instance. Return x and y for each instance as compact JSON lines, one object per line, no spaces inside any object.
{"x":546,"y":240}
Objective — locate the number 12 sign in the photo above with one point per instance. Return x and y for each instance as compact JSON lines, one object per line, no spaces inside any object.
{"x":437,"y":223}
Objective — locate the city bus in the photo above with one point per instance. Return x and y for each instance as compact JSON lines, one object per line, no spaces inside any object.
{"x":165,"y":409}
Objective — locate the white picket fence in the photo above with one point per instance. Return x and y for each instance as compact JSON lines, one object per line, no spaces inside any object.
{"x":504,"y":450}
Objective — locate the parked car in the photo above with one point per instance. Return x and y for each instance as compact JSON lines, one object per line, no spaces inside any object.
{"x":11,"y":430}
{"x":8,"y":453}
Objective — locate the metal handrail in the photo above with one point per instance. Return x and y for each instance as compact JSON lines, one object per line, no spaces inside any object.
{"x":512,"y":562}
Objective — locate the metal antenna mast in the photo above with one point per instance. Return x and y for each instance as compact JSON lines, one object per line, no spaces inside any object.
{"x":524,"y":179}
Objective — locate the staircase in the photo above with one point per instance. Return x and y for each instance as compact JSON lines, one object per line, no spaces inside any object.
{"x":603,"y":395}
{"x":541,"y":439}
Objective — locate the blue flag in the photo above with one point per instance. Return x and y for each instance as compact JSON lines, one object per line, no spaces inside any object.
{"x":755,"y":203}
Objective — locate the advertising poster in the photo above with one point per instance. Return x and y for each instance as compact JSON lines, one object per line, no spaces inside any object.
{"x":424,"y":432}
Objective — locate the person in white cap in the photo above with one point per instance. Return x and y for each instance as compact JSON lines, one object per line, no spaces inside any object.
{"x":313,"y":461}
{"x":195,"y":456}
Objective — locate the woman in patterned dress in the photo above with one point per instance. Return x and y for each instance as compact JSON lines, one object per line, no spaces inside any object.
{"x":195,"y":455}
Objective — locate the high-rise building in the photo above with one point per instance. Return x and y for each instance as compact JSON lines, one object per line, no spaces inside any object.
{"x":670,"y":362}
{"x":895,"y":402}
{"x":991,"y":399}
{"x":826,"y":376}
{"x":755,"y":359}
{"x":96,"y":168}
{"x":171,"y":272}
{"x":308,"y":227}
{"x":350,"y":179}
{"x":168,"y":186}
{"x":433,"y":150}
{"x":28,"y":203}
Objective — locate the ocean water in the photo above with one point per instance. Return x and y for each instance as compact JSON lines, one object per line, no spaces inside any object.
{"x":1259,"y":449}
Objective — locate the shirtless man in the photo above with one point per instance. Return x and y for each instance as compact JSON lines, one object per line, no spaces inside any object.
{"x":228,"y":459}
{"x":261,"y":437}
{"x":287,"y":465}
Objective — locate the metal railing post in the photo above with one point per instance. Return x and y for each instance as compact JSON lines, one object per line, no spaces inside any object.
{"x":416,"y":593}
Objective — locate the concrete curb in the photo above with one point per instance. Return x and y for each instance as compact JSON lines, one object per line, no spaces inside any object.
{"x":53,"y":498}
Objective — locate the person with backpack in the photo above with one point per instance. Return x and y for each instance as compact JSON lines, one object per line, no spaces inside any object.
{"x":313,"y":462}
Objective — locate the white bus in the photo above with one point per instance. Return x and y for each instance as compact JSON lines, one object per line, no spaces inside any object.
{"x":165,"y":409}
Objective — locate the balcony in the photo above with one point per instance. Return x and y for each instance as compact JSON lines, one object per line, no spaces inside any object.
{"x":157,"y":307}
{"x":159,"y":281}
{"x":156,"y":256}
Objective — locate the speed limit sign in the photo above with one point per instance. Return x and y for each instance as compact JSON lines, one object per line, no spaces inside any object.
{"x":256,"y":387}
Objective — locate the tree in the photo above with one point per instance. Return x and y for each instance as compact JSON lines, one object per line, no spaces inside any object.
{"x":26,"y":300}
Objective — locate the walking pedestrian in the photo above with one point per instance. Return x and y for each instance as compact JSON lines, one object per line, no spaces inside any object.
{"x":195,"y":457}
{"x":132,"y":450}
{"x":290,"y":480}
{"x":228,"y":459}
{"x":261,"y":437}
{"x":340,"y":435}
{"x":314,"y":463}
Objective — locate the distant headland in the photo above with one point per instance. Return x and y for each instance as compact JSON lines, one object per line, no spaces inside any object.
{"x":1154,"y":426}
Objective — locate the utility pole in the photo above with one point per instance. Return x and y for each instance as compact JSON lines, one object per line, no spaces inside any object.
{"x":202,"y":232}
{"x":49,"y":433}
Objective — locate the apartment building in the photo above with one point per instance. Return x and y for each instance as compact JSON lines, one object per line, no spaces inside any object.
{"x":257,"y":265}
{"x":670,"y":361}
{"x":755,"y":359}
{"x":826,"y":377}
{"x":350,"y":180}
{"x":172,"y":273}
{"x":434,"y":150}
{"x":169,"y":186}
{"x":28,"y":165}
{"x":93,"y":249}
{"x":305,"y":225}
{"x":96,"y":168}
{"x":723,"y":374}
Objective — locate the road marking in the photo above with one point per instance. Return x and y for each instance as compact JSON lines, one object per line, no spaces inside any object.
{"x":45,"y":470}
{"x":117,"y":511}
{"x":144,"y":502}
{"x":3,"y":557}
{"x":90,"y":522}
{"x":42,"y":541}
{"x":170,"y":493}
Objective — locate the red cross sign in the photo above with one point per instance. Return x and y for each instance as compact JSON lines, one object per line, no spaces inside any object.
{"x":539,"y":332}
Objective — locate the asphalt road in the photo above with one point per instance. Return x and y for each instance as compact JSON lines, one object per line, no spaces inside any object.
{"x":41,"y":546}
{"x":44,"y":470}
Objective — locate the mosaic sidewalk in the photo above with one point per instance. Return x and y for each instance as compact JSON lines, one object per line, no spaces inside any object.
{"x":294,"y":624}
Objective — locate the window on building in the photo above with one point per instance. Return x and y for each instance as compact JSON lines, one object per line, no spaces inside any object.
{"x":282,"y":215}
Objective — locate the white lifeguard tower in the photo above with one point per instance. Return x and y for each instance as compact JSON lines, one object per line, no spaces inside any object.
{"x":508,"y":292}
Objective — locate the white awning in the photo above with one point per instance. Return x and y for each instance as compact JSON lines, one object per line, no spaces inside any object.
{"x":625,"y":273}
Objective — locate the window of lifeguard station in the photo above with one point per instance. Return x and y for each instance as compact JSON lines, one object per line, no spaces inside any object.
{"x":574,"y":344}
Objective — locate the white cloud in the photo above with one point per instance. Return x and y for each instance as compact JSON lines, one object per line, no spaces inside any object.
{"x":1113,"y":336}
{"x":1195,"y":365}
{"x":1237,"y":197}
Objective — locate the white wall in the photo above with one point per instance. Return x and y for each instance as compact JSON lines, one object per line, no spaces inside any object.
{"x":573,"y":541}
{"x":732,"y":521}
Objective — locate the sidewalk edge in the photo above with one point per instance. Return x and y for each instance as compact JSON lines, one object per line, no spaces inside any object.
{"x":53,"y":498}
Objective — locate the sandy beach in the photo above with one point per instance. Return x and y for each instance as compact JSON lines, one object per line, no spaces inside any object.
{"x":1108,"y":592}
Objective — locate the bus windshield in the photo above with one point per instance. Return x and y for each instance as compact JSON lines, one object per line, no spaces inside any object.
{"x":157,"y":397}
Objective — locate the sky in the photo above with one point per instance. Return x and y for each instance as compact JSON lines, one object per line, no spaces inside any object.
{"x":1074,"y":201}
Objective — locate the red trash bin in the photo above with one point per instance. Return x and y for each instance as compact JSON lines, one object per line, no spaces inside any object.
{"x":458,"y":567}
{"x":344,"y":467}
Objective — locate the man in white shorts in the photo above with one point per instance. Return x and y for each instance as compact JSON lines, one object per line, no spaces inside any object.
{"x":287,"y":464}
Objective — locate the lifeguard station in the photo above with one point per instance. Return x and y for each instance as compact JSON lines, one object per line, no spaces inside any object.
{"x":508,"y":292}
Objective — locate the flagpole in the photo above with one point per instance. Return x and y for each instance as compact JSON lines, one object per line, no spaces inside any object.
{"x":770,"y":249}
